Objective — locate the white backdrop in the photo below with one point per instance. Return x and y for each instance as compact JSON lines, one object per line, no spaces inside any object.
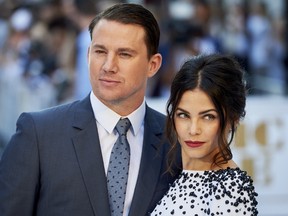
{"x":261,"y":148}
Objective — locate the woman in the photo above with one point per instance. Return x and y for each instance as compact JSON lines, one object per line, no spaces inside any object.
{"x":207,"y":101}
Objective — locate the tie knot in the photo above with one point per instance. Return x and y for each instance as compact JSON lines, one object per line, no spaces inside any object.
{"x":122,"y":126}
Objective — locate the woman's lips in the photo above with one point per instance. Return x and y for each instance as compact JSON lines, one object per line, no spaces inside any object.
{"x":194,"y":144}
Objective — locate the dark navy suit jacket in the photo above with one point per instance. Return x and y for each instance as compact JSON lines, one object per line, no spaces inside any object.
{"x":53,"y":165}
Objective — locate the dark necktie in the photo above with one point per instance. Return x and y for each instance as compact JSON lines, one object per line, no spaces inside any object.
{"x":118,"y":169}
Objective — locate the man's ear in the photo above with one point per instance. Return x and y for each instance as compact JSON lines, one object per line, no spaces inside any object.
{"x":88,"y":50}
{"x":155,"y":63}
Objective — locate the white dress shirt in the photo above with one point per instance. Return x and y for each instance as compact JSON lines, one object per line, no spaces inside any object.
{"x":106,"y":120}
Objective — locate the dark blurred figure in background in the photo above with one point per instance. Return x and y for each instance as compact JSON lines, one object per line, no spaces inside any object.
{"x":23,"y":84}
{"x":36,"y":61}
{"x":81,"y":13}
{"x":266,"y":51}
{"x":189,"y":29}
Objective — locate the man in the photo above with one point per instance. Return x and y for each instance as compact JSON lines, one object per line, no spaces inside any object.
{"x":57,"y":161}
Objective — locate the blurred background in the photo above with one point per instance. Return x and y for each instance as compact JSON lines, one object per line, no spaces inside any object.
{"x":43,"y":48}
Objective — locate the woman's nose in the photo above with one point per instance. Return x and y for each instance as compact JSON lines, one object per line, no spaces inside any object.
{"x":194,"y":128}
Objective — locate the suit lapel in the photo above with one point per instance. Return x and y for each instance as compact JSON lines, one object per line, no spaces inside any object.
{"x":88,"y":151}
{"x":87,"y":148}
{"x":150,"y":166}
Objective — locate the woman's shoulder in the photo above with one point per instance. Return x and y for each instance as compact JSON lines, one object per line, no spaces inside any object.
{"x":232,"y":182}
{"x":234,"y":176}
{"x":236,"y":188}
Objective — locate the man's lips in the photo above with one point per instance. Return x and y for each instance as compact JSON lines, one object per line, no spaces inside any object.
{"x":109,"y":82}
{"x":194,"y":144}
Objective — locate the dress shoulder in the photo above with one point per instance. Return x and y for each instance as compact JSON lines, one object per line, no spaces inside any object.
{"x":216,"y":192}
{"x":234,"y":189}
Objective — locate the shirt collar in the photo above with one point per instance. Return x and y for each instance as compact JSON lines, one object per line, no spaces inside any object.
{"x":108,"y":119}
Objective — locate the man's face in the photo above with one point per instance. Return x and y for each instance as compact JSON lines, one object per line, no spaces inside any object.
{"x":118,"y":63}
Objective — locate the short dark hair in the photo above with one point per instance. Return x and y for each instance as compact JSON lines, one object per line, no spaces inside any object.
{"x":222,"y":79}
{"x":128,"y":13}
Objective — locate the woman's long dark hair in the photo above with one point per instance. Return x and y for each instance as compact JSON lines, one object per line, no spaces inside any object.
{"x":222,"y":79}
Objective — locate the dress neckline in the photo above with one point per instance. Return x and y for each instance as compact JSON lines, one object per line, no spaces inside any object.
{"x":202,"y":171}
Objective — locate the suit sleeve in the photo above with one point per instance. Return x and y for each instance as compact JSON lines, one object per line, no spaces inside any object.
{"x":19,"y":171}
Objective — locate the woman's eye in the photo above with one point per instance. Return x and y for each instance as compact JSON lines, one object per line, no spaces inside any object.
{"x":209,"y":117}
{"x":182,"y":115}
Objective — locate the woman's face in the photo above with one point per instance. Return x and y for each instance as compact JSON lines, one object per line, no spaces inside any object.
{"x":197,"y":125}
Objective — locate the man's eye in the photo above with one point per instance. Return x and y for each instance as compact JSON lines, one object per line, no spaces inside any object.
{"x":99,"y":51}
{"x":125,"y":55}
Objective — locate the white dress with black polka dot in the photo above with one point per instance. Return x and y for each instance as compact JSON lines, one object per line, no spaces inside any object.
{"x":217,"y":192}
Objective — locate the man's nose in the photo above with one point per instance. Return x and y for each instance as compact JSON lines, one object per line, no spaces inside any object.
{"x":110,"y":63}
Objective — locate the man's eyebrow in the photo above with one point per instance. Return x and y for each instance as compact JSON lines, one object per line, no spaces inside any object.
{"x":98,"y":46}
{"x":124,"y":49}
{"x":127,"y":50}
